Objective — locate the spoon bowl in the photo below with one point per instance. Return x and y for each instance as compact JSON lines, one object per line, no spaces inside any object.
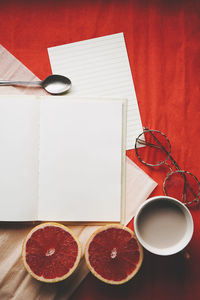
{"x":56,"y":84}
{"x":53,"y":84}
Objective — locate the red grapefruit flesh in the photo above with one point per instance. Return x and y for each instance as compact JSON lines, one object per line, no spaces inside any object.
{"x":51,"y":252}
{"x":113,"y":254}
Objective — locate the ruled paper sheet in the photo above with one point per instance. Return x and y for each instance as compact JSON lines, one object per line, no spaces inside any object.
{"x":100,"y":67}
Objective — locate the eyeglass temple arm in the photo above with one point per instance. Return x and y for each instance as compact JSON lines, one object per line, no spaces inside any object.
{"x":142,"y":142}
{"x":163,"y":148}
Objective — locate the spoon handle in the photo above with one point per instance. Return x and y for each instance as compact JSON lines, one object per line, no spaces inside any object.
{"x":8,"y":82}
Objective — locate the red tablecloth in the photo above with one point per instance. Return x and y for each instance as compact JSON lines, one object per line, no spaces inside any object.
{"x":163,"y":43}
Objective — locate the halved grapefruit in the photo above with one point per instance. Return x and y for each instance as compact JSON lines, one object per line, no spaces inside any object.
{"x":51,"y":252}
{"x":113,"y":254}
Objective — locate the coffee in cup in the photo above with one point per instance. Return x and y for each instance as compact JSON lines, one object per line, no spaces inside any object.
{"x":163,"y":225}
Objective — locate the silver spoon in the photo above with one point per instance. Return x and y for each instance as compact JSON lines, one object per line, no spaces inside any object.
{"x":53,"y":84}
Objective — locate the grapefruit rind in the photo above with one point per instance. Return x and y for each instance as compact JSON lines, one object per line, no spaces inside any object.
{"x":56,"y":279}
{"x":130,"y":276}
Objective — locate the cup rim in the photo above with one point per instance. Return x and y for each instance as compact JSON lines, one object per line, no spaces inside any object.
{"x":178,"y":246}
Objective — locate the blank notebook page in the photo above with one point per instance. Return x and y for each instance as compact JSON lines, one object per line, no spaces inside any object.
{"x":80,"y":160}
{"x":19,"y":134}
{"x":100,"y":67}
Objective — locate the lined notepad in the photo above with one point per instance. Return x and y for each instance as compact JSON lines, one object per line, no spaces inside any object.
{"x":100,"y":67}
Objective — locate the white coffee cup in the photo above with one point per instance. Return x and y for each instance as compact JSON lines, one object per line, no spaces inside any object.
{"x":163,"y":225}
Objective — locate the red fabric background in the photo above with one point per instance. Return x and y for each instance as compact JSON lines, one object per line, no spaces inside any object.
{"x":163,"y":43}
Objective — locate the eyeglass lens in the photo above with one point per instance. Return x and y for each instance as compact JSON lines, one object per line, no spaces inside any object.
{"x":158,"y":149}
{"x":183,"y":186}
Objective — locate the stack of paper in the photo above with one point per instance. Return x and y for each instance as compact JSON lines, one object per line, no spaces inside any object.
{"x":63,"y":158}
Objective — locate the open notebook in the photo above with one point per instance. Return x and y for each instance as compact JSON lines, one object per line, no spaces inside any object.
{"x":62,"y":159}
